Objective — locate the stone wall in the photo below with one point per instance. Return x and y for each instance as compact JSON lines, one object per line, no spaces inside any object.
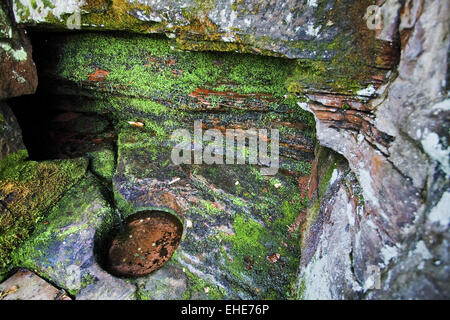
{"x":377,"y":223}
{"x":399,"y":154}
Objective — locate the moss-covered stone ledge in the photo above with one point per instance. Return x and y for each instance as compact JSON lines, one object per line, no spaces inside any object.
{"x":28,"y":189}
{"x":241,"y":238}
{"x":137,"y":78}
{"x":333,"y":34}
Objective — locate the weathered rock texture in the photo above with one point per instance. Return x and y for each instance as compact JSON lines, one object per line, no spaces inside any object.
{"x":27,"y":188}
{"x":332,"y":33}
{"x":18,"y":74}
{"x":397,"y":146}
{"x":62,"y":249}
{"x":284,"y":28}
{"x":10,"y":132}
{"x":25,"y":285}
{"x":241,"y":236}
{"x":377,"y":223}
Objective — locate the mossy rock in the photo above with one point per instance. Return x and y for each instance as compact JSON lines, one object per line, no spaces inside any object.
{"x":221,"y":25}
{"x":28,"y":190}
{"x":61,"y":250}
{"x":240,"y":239}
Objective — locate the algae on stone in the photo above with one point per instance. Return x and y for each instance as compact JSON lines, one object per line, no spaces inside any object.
{"x":28,"y":190}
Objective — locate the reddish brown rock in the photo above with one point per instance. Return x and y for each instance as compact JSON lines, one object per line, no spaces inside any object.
{"x":18,"y":75}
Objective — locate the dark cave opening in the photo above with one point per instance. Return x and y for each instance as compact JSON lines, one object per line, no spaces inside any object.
{"x":60,"y":125}
{"x":55,"y":126}
{"x":53,"y":129}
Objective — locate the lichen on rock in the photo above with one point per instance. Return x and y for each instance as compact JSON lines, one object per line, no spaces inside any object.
{"x":17,"y":70}
{"x":29,"y":189}
{"x":358,"y":207}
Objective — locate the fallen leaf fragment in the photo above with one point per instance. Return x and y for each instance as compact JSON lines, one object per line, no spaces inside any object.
{"x":173,"y":181}
{"x":98,"y":75}
{"x":11,"y":290}
{"x":136,"y":124}
{"x":274,"y":258}
{"x":249,"y":262}
{"x":171,"y":62}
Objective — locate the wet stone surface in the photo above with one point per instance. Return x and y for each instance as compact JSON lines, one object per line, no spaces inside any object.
{"x":241,"y":238}
{"x":25,"y":285}
{"x":147,"y":241}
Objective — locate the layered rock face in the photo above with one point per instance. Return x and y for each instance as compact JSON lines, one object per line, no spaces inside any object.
{"x":358,"y":208}
{"x":293,"y":29}
{"x":240,"y":239}
{"x":399,"y":153}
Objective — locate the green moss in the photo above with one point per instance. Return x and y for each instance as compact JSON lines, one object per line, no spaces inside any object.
{"x":137,"y":65}
{"x":147,"y":67}
{"x":30,"y":189}
{"x":345,"y":107}
{"x":199,"y":287}
{"x":114,"y":15}
{"x":81,"y":208}
{"x":11,"y":160}
{"x":146,"y":81}
{"x":247,"y":244}
{"x":328,"y":161}
{"x":320,"y":74}
{"x":311,"y":216}
{"x":324,"y":182}
{"x":238,"y":202}
{"x":249,"y":235}
{"x":209,"y":207}
{"x":103,"y":163}
{"x":23,"y":10}
{"x":300,"y":291}
{"x":204,"y":5}
{"x":86,"y":280}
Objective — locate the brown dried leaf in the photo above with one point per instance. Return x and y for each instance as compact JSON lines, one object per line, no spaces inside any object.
{"x":274,"y":258}
{"x":98,"y":75}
